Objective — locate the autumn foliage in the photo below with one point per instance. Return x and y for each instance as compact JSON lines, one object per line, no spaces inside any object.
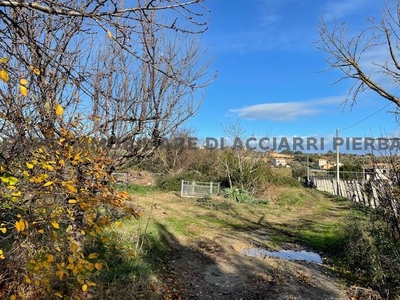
{"x":73,"y":74}
{"x":56,"y":198}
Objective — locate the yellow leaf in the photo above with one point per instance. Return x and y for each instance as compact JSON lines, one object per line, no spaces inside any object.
{"x":93,"y":255}
{"x":48,"y":167}
{"x":41,"y":231}
{"x":60,"y":275}
{"x":48,"y":183}
{"x":35,"y":70}
{"x":98,"y":266}
{"x":123,"y":194}
{"x":22,"y":87}
{"x":72,"y":189}
{"x":27,"y":279}
{"x":84,"y":287}
{"x":90,"y":267}
{"x":29,"y":165}
{"x":72,"y":201}
{"x":20,"y":226}
{"x":16,"y":194}
{"x":74,"y":247}
{"x":55,"y":225}
{"x":4,"y":60}
{"x":10,"y":180}
{"x":59,"y":110}
{"x":23,"y":90}
{"x":4,"y":75}
{"x":59,"y":295}
{"x":13,"y":297}
{"x":3,"y":229}
{"x":117,"y":224}
{"x":58,"y":249}
{"x":50,"y":258}
{"x":2,"y":255}
{"x":36,"y":180}
{"x":109,"y":34}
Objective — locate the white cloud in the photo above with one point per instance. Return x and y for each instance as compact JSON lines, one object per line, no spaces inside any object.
{"x":339,"y":9}
{"x":286,"y":111}
{"x":251,"y":40}
{"x":270,"y":18}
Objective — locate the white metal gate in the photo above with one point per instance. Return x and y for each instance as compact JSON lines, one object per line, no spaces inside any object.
{"x":198,"y":189}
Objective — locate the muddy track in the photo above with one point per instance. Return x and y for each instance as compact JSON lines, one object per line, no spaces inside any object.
{"x":216,"y":268}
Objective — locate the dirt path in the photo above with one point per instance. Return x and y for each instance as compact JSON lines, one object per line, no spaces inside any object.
{"x":207,"y":243}
{"x":217,"y":269}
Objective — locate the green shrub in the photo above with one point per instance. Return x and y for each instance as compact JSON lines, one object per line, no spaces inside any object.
{"x":280,"y":180}
{"x":241,"y":196}
{"x":374,"y":256}
{"x":290,"y":199}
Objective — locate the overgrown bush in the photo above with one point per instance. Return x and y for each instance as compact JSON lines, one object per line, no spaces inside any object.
{"x":372,"y":255}
{"x":280,"y":180}
{"x":299,"y":171}
{"x":53,"y":197}
{"x":245,"y":170}
{"x":241,"y":196}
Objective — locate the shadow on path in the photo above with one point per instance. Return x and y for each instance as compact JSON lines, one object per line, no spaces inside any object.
{"x":215,"y":268}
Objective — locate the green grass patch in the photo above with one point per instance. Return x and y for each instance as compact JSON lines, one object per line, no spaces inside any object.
{"x":135,"y":189}
{"x":131,"y":255}
{"x":296,"y":215}
{"x":290,"y":199}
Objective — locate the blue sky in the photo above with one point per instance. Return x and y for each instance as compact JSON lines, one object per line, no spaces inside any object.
{"x":270,"y":73}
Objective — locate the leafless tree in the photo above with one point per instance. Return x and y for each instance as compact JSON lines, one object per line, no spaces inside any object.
{"x":177,"y":151}
{"x":370,"y":58}
{"x":127,"y":70}
{"x":136,"y":101}
{"x":244,"y":168}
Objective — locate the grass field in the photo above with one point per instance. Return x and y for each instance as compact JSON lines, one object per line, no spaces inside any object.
{"x":293,"y":218}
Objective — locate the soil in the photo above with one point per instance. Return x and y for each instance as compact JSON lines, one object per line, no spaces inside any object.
{"x":216,"y":268}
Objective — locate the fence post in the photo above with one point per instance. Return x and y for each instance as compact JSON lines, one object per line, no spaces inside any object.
{"x":211,"y":188}
{"x":182,"y":183}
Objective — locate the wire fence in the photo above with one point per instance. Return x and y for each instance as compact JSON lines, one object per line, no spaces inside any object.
{"x":199,"y":189}
{"x":344,"y":175}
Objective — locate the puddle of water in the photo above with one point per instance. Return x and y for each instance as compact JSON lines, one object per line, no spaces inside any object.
{"x":285,"y":254}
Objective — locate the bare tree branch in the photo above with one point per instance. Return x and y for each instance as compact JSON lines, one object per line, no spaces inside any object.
{"x":348,"y":54}
{"x":144,"y":77}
